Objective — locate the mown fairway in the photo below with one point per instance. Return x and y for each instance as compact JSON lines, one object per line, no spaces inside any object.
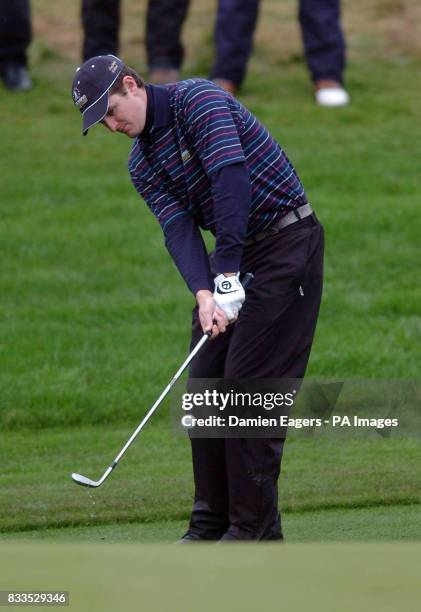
{"x":94,"y":318}
{"x":328,"y":577}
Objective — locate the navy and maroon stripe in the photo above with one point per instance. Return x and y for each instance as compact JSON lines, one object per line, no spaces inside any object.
{"x":198,"y":129}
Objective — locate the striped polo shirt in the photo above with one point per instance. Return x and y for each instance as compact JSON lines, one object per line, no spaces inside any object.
{"x":198,"y":130}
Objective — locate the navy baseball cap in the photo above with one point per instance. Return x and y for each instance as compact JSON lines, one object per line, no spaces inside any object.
{"x":91,"y":85}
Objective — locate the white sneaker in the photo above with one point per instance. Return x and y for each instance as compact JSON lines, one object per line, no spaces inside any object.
{"x":331,"y":94}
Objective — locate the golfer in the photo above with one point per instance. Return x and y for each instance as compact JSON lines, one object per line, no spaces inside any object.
{"x":201,"y":160}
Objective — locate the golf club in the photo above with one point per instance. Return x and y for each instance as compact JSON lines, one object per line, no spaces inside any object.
{"x":87,"y":482}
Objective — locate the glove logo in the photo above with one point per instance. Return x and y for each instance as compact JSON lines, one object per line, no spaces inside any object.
{"x":225,"y":287}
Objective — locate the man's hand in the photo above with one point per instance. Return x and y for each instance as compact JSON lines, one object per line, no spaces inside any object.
{"x":229,"y":295}
{"x":212,"y":318}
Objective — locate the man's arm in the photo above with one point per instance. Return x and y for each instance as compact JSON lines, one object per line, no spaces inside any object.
{"x":209,"y":120}
{"x":231,"y":197}
{"x":187,"y":249}
{"x":182,"y":238}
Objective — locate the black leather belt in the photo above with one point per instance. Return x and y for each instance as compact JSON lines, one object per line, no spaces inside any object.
{"x":292,"y":217}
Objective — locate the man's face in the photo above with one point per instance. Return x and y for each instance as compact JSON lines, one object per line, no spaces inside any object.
{"x":127,"y":111}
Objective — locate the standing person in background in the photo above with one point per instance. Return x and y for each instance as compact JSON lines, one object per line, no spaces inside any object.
{"x":164,"y":20}
{"x":324,"y":44}
{"x":324,"y":49}
{"x":15,"y":38}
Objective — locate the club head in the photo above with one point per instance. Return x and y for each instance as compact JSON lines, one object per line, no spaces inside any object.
{"x":85,"y":482}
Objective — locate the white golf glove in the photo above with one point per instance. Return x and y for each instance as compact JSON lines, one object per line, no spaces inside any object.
{"x":229,"y":294}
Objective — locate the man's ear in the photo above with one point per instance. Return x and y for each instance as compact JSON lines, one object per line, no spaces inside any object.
{"x":130,"y":83}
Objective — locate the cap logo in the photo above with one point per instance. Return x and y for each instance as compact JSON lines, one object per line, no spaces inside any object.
{"x":79,"y":99}
{"x":113,"y":67}
{"x":81,"y":102}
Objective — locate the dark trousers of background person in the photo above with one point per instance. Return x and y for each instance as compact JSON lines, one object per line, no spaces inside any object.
{"x":236,"y":479}
{"x":164,"y":20}
{"x":101,"y":24}
{"x":324,"y":45}
{"x":236,"y":20}
{"x":235,"y":23}
{"x":15,"y":32}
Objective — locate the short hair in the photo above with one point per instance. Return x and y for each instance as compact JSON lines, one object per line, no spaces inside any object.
{"x":118,"y":87}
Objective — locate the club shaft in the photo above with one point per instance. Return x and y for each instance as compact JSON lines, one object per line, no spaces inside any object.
{"x":202,"y":341}
{"x":148,"y":415}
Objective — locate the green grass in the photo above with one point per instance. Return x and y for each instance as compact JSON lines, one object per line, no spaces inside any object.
{"x":379,"y":524}
{"x":153,"y":484}
{"x":325,"y":578}
{"x":88,"y":335}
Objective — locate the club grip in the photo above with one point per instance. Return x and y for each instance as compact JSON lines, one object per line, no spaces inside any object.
{"x":246,"y":279}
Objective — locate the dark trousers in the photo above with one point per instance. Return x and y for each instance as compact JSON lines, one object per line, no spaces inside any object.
{"x":15,"y":31}
{"x":234,"y":28}
{"x":101,"y":23}
{"x":324,"y":45}
{"x":236,"y":479}
{"x":164,"y":21}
